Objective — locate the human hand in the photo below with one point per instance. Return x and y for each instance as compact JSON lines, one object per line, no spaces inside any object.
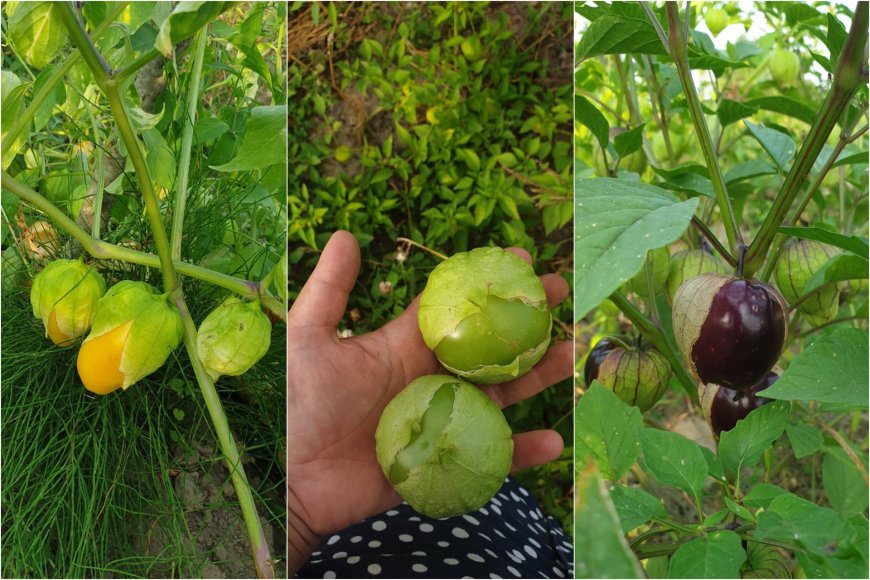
{"x":337,"y":389}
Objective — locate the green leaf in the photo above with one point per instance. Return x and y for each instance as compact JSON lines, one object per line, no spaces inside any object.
{"x":789,"y":518}
{"x":674,"y":460}
{"x":844,"y":483}
{"x":835,"y":38}
{"x":265,"y":141}
{"x":732,"y":111}
{"x":838,"y":268}
{"x":714,"y":466}
{"x":600,"y":547}
{"x":616,"y":223}
{"x":186,"y":19}
{"x":805,"y":439}
{"x":749,"y":170}
{"x":606,"y":430}
{"x":716,"y":555}
{"x":160,"y":159}
{"x":13,"y":104}
{"x":779,"y":146}
{"x":762,"y":494}
{"x":625,"y":30}
{"x":635,"y":507}
{"x":785,"y":106}
{"x":629,"y":141}
{"x":743,"y":445}
{"x":833,"y":369}
{"x":37,"y":32}
{"x":854,"y":244}
{"x":586,"y":114}
{"x":208,"y":129}
{"x":56,"y":96}
{"x":740,"y":511}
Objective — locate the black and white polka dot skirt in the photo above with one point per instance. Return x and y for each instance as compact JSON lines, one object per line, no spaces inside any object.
{"x":507,"y":538}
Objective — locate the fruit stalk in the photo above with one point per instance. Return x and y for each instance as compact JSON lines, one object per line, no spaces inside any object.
{"x":848,"y":77}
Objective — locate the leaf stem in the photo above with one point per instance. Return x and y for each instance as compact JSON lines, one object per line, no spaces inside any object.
{"x":714,"y":241}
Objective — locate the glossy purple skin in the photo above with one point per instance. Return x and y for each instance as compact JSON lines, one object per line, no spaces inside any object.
{"x":742,"y":336}
{"x":730,"y":406}
{"x":593,"y":362}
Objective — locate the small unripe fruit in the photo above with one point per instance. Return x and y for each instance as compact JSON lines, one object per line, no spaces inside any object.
{"x":785,"y":67}
{"x":64,"y":296}
{"x":798,"y":263}
{"x":444,"y":446}
{"x":135,"y":330}
{"x":233,"y":337}
{"x":730,"y":331}
{"x":485,"y":315}
{"x":716,"y":19}
{"x":687,"y":264}
{"x":723,"y":407}
{"x":637,"y":376}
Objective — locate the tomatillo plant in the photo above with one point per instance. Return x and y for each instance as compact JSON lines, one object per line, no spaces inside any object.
{"x":485,"y":315}
{"x":444,"y":445}
{"x":233,"y":337}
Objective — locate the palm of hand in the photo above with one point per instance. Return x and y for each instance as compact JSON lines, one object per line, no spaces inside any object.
{"x":338,"y":388}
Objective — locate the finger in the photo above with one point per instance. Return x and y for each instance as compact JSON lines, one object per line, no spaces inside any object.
{"x":404,"y":341}
{"x":557,"y":365}
{"x":556,"y":288}
{"x":324,"y":297}
{"x":535,"y":448}
{"x":521,"y":253}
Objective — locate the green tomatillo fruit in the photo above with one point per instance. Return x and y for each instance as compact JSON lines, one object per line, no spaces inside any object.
{"x":444,"y":446}
{"x":687,"y":264}
{"x":135,"y":330}
{"x":485,"y":315}
{"x":64,"y":296}
{"x":798,"y":263}
{"x":716,"y":20}
{"x":233,"y":337}
{"x":638,"y":376}
{"x":785,"y":67}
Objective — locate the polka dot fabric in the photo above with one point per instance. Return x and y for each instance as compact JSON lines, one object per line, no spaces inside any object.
{"x":510,"y":537}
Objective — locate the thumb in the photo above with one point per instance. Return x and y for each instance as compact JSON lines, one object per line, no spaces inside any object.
{"x":322,"y":301}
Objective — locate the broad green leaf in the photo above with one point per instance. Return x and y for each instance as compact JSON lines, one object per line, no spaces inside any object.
{"x":789,"y":518}
{"x":600,"y":547}
{"x":743,"y":445}
{"x":859,"y":158}
{"x":838,"y":268}
{"x":160,"y":160}
{"x":836,"y":37}
{"x":616,"y":223}
{"x":749,"y":170}
{"x":833,"y":369}
{"x":779,"y":146}
{"x":805,"y":439}
{"x":587,"y":115}
{"x":208,"y":129}
{"x":629,"y":141}
{"x":762,"y":494}
{"x":265,"y":141}
{"x":37,"y":32}
{"x":714,"y":465}
{"x":625,"y":30}
{"x":635,"y":506}
{"x":57,"y":95}
{"x":674,"y":460}
{"x":715,"y":555}
{"x":186,"y":19}
{"x":13,"y":104}
{"x":732,"y":111}
{"x":854,"y":244}
{"x":786,"y":106}
{"x":740,"y":511}
{"x":143,"y":121}
{"x":606,"y":430}
{"x":844,"y":483}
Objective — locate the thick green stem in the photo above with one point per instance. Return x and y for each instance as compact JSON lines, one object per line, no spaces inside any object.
{"x":681,"y":61}
{"x":259,"y":547}
{"x":654,"y":335}
{"x":187,"y":143}
{"x":95,"y":61}
{"x":848,"y":76}
{"x":22,"y":122}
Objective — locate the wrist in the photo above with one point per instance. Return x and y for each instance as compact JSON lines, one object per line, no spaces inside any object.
{"x":301,"y":539}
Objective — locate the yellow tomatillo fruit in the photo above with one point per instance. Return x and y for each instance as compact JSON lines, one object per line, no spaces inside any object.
{"x":64,"y":296}
{"x":135,"y":330}
{"x":233,"y":337}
